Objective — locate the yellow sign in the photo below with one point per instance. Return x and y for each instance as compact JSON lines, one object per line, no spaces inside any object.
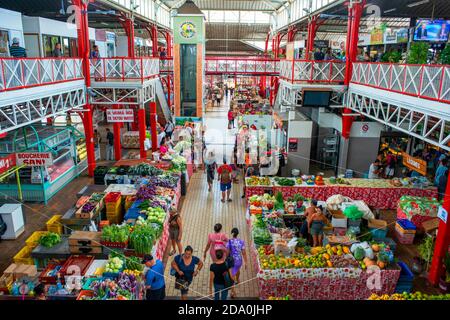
{"x":415,"y":164}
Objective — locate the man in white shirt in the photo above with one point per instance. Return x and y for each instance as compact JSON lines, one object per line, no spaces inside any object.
{"x":374,"y":170}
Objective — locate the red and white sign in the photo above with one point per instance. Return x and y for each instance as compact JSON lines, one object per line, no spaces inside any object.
{"x":120,"y":115}
{"x":7,"y":163}
{"x":365,"y":128}
{"x":34,"y":159}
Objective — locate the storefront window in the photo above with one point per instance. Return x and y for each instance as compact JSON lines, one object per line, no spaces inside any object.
{"x":65,"y":46}
{"x":50,"y":44}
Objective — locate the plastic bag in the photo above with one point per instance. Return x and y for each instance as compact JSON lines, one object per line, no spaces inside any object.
{"x":353,"y":213}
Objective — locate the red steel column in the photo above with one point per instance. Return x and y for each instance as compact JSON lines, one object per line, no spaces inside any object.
{"x":83,"y":52}
{"x":442,"y":243}
{"x":355,"y":14}
{"x":168,"y":91}
{"x":154,"y":41}
{"x":142,"y":133}
{"x":117,"y":144}
{"x":168,"y":44}
{"x":312,"y":31}
{"x":153,"y":126}
{"x":130,"y":34}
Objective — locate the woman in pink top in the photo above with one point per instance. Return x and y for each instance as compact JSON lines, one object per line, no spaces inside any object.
{"x":216,"y":241}
{"x":163,"y":149}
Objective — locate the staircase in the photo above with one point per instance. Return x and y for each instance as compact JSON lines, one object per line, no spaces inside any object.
{"x":163,"y":108}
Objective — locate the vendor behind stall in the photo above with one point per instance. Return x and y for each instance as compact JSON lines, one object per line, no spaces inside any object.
{"x":308,"y":214}
{"x":316,"y":224}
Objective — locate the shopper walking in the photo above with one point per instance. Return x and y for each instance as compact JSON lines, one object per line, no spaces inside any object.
{"x":154,"y":278}
{"x":216,"y":241}
{"x":109,"y":145}
{"x":440,"y":171}
{"x":236,"y":247}
{"x":175,"y":230}
{"x":225,"y":180}
{"x":210,"y":168}
{"x":168,"y":129}
{"x":230,"y":119}
{"x":442,"y":186}
{"x":220,"y":277}
{"x":184,"y":266}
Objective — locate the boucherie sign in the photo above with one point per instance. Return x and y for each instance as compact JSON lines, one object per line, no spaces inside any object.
{"x":7,"y":163}
{"x":34,"y":159}
{"x":120,"y":115}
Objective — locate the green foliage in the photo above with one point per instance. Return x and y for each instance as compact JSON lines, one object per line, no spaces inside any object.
{"x":391,"y":57}
{"x":418,"y":53}
{"x":426,"y":249}
{"x":445,"y":55}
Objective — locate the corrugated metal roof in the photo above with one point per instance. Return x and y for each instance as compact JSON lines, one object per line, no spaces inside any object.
{"x":249,"y":5}
{"x":230,"y":47}
{"x":236,"y":31}
{"x":189,"y":7}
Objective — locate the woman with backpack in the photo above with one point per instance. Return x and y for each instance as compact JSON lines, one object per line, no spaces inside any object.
{"x":236,"y":247}
{"x":225,"y":180}
{"x":220,"y":277}
{"x":216,"y":241}
{"x":175,"y":230}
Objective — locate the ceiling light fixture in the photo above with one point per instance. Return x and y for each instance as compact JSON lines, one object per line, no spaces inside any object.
{"x":390,"y":10}
{"x":415,"y":4}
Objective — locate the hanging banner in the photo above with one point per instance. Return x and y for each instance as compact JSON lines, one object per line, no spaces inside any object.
{"x":402,"y":35}
{"x":7,"y":163}
{"x":120,"y":115}
{"x":34,"y":159}
{"x":415,"y":164}
{"x":364,"y":40}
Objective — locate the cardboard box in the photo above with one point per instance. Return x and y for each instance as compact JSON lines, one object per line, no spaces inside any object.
{"x":338,"y":219}
{"x":31,"y":271}
{"x":21,"y":271}
{"x":10,"y":270}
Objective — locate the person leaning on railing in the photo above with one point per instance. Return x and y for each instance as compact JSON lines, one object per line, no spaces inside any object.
{"x":16,"y":51}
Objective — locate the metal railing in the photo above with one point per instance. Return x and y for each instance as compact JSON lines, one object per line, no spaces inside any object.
{"x":165,"y":65}
{"x":241,"y":65}
{"x":124,"y":69}
{"x":424,"y":81}
{"x":20,"y":73}
{"x":296,"y":71}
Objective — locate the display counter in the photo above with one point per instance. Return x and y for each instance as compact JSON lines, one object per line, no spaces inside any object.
{"x":379,"y":194}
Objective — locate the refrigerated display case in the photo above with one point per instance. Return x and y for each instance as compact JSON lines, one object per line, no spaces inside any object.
{"x":39,"y":184}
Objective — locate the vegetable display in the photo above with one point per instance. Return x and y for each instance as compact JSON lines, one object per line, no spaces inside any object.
{"x":126,"y":287}
{"x":134,"y":263}
{"x":114,"y":265}
{"x":142,"y":238}
{"x":116,"y":233}
{"x":144,"y":169}
{"x":285,"y":182}
{"x":49,"y":239}
{"x":88,"y":207}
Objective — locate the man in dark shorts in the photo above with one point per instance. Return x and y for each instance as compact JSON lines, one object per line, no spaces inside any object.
{"x":154,"y":279}
{"x":225,"y":180}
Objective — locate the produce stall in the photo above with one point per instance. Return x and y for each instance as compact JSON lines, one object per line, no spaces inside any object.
{"x":287,"y":266}
{"x":377,"y":193}
{"x":417,"y":209}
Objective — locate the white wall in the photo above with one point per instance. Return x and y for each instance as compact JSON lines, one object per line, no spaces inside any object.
{"x":11,"y":21}
{"x":32,"y":43}
{"x":374,"y":130}
{"x":330,"y":120}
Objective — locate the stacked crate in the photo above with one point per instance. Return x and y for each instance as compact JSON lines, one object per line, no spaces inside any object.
{"x":54,"y":224}
{"x":405,"y":281}
{"x":405,"y":231}
{"x":113,"y":202}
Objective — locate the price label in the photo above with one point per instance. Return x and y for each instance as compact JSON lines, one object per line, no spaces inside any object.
{"x":442,"y":214}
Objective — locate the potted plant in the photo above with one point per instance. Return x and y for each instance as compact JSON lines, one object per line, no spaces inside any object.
{"x":418,"y":53}
{"x":445,"y":55}
{"x":426,"y":250}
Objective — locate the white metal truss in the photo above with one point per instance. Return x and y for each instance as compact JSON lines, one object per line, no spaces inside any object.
{"x":116,"y":93}
{"x":290,"y":95}
{"x":430,"y":126}
{"x":34,"y":109}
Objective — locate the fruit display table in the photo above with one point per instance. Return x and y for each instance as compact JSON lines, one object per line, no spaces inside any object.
{"x":379,"y":194}
{"x":323,"y":283}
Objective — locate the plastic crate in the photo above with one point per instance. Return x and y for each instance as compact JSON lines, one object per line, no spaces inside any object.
{"x":54,"y":224}
{"x":354,"y":223}
{"x":24,"y":256}
{"x":405,"y":226}
{"x":33,"y":241}
{"x":113,"y":197}
{"x":406,"y":274}
{"x":87,"y":284}
{"x":404,"y":238}
{"x":378,"y":233}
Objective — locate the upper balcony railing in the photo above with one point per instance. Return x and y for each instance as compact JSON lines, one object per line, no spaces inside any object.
{"x":241,"y":65}
{"x":20,"y":73}
{"x":423,"y":81}
{"x":165,"y":65}
{"x":124,"y":69}
{"x":310,"y":71}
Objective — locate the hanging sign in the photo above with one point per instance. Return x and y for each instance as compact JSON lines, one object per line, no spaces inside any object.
{"x":442,"y":214}
{"x":7,"y":163}
{"x":293,"y":144}
{"x":34,"y":159}
{"x":415,"y":164}
{"x":120,"y":115}
{"x":364,"y":128}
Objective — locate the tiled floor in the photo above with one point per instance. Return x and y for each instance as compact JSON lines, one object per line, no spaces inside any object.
{"x":201,"y":210}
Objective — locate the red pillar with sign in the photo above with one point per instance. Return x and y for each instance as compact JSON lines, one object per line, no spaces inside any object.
{"x":154,"y":133}
{"x":142,"y":133}
{"x":155,"y":41}
{"x":168,"y":44}
{"x":130,"y":34}
{"x":442,"y":242}
{"x":312,"y":31}
{"x":83,"y":52}
{"x":117,"y":144}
